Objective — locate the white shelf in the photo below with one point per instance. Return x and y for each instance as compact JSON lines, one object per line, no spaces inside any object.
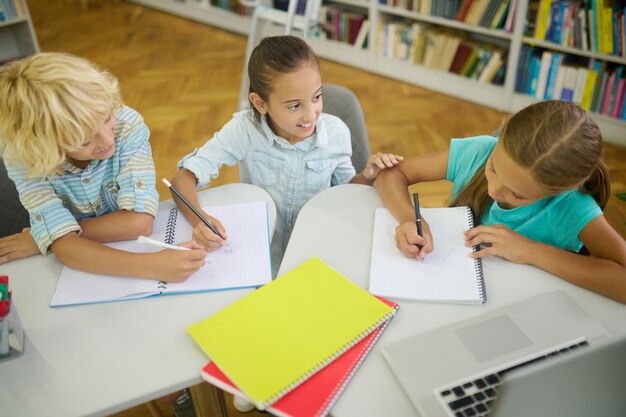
{"x":202,"y":13}
{"x":500,"y":97}
{"x":17,"y":36}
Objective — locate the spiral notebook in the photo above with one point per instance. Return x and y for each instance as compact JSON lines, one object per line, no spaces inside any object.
{"x":272,"y":340}
{"x":315,"y":396}
{"x":446,"y":275}
{"x":243,"y":262}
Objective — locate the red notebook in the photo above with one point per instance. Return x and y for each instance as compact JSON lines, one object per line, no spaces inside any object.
{"x":315,"y":396}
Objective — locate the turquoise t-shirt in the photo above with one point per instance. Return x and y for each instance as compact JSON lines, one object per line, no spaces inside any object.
{"x":555,"y":220}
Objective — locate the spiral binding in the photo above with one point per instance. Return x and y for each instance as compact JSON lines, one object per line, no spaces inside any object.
{"x":170,"y":228}
{"x":289,"y":387}
{"x":332,"y":399}
{"x":478,"y":263}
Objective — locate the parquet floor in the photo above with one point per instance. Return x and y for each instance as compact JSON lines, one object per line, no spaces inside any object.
{"x":183,"y":77}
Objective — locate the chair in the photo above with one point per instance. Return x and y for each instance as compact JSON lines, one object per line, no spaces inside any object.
{"x":264,"y":11}
{"x":343,"y":103}
{"x":14,"y":216}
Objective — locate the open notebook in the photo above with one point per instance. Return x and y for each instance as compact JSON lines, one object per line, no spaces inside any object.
{"x":275,"y":338}
{"x":243,"y":262}
{"x":315,"y":396}
{"x":447,"y":274}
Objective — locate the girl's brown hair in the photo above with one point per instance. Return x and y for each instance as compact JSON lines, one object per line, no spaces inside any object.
{"x":275,"y":56}
{"x":559,"y":143}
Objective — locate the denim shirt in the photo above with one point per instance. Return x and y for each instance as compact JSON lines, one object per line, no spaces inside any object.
{"x":291,"y":174}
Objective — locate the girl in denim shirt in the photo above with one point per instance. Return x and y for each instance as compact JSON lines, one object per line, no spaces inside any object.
{"x":284,"y":143}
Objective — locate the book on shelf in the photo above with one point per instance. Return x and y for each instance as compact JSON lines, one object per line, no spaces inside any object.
{"x":543,"y":14}
{"x":315,"y":396}
{"x":544,"y":69}
{"x":447,"y":274}
{"x":275,"y":338}
{"x":600,"y":68}
{"x":244,"y":262}
{"x":619,"y":99}
{"x":592,"y":76}
{"x":361,"y":39}
{"x":553,"y":72}
{"x":581,"y":80}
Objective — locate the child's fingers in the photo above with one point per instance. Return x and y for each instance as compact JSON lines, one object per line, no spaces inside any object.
{"x":218,"y":225}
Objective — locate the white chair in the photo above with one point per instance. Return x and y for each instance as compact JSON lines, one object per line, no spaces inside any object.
{"x":264,"y":11}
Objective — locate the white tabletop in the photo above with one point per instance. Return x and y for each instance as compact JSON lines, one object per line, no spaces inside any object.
{"x":337,"y":226}
{"x":103,"y":358}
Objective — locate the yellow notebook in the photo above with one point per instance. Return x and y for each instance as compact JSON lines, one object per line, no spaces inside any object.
{"x":272,"y":340}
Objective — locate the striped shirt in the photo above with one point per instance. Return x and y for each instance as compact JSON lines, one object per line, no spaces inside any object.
{"x":125,"y":181}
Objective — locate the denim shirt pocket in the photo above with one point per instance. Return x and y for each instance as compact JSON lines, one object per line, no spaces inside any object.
{"x":318,"y":174}
{"x":266,"y":169}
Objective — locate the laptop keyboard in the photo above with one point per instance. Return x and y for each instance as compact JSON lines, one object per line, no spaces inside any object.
{"x":473,"y":398}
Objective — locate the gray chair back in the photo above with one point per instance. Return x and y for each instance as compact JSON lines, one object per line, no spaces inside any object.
{"x":13,"y":215}
{"x":343,"y":103}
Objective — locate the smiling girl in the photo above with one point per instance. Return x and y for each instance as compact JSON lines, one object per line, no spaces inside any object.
{"x":537,"y":193}
{"x":283,"y":142}
{"x":82,"y":164}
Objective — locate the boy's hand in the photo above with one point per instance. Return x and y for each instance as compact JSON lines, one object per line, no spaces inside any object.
{"x":408,"y":241}
{"x":17,"y":246}
{"x":205,"y":237}
{"x":378,"y":162}
{"x":499,"y":240}
{"x":177,"y":265}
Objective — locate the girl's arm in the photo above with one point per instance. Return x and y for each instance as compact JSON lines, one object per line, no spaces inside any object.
{"x":392,"y":186}
{"x":185,"y":183}
{"x":603,"y":272}
{"x":118,"y":225}
{"x":375,"y":164}
{"x":167,"y":265}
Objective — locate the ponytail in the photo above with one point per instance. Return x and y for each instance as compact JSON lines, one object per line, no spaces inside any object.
{"x":475,"y":195}
{"x":598,"y":185}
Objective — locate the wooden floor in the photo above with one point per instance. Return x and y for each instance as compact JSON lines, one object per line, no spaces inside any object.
{"x":183,"y":77}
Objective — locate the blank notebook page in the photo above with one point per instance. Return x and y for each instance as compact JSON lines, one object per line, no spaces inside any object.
{"x":447,"y":274}
{"x":241,"y":261}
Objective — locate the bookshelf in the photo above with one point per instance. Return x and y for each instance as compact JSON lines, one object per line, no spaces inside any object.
{"x":513,"y":36}
{"x":17,"y":36}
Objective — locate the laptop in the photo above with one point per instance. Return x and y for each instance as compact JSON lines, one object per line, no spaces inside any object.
{"x":456,"y":370}
{"x":589,"y":382}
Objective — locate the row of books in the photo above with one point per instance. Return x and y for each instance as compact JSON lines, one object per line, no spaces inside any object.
{"x":589,"y":25}
{"x":11,"y":9}
{"x":596,"y":85}
{"x":493,"y":14}
{"x":435,"y":48}
{"x":311,"y":329}
{"x":344,"y":25}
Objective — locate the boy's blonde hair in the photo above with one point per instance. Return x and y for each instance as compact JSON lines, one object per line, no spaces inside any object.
{"x":51,"y":104}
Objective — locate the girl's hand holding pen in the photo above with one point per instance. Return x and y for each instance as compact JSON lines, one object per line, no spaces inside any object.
{"x":177,"y":265}
{"x":407,"y":240}
{"x":501,"y":241}
{"x":205,"y":236}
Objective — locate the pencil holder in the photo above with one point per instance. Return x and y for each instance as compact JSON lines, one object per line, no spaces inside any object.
{"x":11,"y":335}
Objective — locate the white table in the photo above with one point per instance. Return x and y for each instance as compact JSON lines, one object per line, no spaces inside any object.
{"x":99,"y":359}
{"x":337,"y":226}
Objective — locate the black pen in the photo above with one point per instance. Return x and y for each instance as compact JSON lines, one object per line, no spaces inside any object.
{"x":188,"y":204}
{"x":418,"y":216}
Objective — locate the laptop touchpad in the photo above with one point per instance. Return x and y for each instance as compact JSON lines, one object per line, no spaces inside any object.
{"x":493,"y":338}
